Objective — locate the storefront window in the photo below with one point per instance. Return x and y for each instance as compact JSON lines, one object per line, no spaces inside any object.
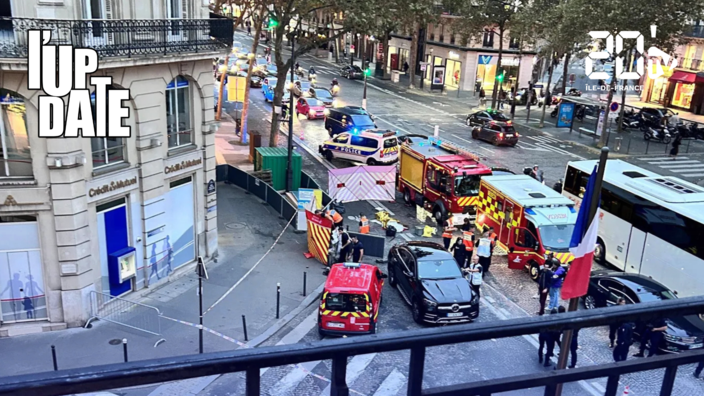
{"x":453,"y":73}
{"x":657,"y":94}
{"x":683,"y":95}
{"x":428,"y":68}
{"x":16,"y":159}
{"x":179,"y":128}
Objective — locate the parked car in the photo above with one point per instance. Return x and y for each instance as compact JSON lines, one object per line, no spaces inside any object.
{"x":300,"y":88}
{"x":311,"y":107}
{"x":484,"y":116}
{"x":352,"y":72}
{"x":606,"y":287}
{"x":497,"y":133}
{"x":430,"y":281}
{"x":322,"y":94}
{"x":499,"y":171}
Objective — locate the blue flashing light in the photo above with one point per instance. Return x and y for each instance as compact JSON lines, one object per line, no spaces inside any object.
{"x":355,"y":130}
{"x":573,"y":210}
{"x":530,"y":212}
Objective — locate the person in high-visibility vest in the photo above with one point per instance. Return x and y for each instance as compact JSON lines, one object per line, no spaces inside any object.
{"x":335,"y":217}
{"x":448,"y":229}
{"x":363,"y":224}
{"x":468,"y":237}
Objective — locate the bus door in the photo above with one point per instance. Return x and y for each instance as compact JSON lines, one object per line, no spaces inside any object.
{"x":636,"y":246}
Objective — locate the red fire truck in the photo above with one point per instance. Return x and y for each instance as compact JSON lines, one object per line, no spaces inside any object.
{"x":441,"y":176}
{"x":529,"y":218}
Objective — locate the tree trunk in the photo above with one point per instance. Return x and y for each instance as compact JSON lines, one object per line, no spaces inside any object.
{"x":280,"y":84}
{"x":385,"y":61}
{"x":622,"y":110}
{"x":565,"y":72}
{"x":498,"y":67}
{"x":414,"y":55}
{"x":549,"y":92}
{"x":602,"y":138}
{"x":245,"y":107}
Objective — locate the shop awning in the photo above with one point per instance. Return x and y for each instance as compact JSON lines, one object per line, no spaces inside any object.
{"x":683,"y":77}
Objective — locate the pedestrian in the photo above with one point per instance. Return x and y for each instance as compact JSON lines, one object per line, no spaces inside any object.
{"x":551,"y":337}
{"x":558,"y":277}
{"x":457,"y":77}
{"x":482,"y":97}
{"x":447,"y":230}
{"x":466,"y":225}
{"x":492,"y":238}
{"x":544,"y":280}
{"x":459,"y":251}
{"x":29,"y":307}
{"x":468,"y":238}
{"x":653,"y":332}
{"x":537,"y":174}
{"x":345,"y":244}
{"x":676,"y":147}
{"x":357,"y":250}
{"x":476,"y":273}
{"x":574,"y":344}
{"x":249,"y":28}
{"x":502,"y":99}
{"x":624,"y":340}
{"x":335,"y":241}
{"x":405,"y":67}
{"x":484,"y":251}
{"x":698,"y":370}
{"x":613,"y":327}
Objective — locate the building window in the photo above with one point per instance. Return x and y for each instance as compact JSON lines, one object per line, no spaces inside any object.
{"x":452,"y":38}
{"x":488,"y":40}
{"x":16,"y":158}
{"x":109,"y":150}
{"x":513,"y":43}
{"x":178,"y":113}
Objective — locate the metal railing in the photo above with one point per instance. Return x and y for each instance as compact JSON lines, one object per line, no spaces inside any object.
{"x":251,"y":360}
{"x":126,"y":313}
{"x":122,"y":38}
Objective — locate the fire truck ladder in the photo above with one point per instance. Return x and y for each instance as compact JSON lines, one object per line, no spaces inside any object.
{"x":457,"y":149}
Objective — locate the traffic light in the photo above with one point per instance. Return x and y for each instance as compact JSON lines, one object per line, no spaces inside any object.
{"x":367,"y":71}
{"x":273,"y":23}
{"x":500,"y":77}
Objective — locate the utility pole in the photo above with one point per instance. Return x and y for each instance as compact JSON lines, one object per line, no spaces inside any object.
{"x":289,"y":167}
{"x":574,"y":302}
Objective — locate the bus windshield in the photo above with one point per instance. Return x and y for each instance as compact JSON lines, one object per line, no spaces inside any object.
{"x":466,"y":186}
{"x":556,"y":237}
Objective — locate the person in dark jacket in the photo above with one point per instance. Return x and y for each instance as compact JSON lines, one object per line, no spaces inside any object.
{"x":460,"y":252}
{"x":544,"y":278}
{"x":624,"y":341}
{"x":653,"y":332}
{"x":613,"y":327}
{"x":551,"y":338}
{"x":574,"y":344}
{"x":698,"y":370}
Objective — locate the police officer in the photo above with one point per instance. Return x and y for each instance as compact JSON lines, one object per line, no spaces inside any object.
{"x":544,"y":280}
{"x":613,"y":327}
{"x":623,"y":341}
{"x":551,"y":337}
{"x":654,"y":332}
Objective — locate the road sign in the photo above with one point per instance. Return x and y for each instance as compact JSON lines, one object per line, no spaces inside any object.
{"x":484,"y":59}
{"x":305,"y":197}
{"x":614,"y":106}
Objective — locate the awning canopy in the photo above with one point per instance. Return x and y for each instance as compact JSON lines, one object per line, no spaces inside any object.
{"x":683,"y":77}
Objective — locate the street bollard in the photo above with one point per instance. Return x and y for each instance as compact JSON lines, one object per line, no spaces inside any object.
{"x":124,"y":348}
{"x":53,"y":357}
{"x":304,"y":283}
{"x":688,"y":142}
{"x":628,"y":149}
{"x":618,"y":141}
{"x":647,"y":146}
{"x":244,"y":327}
{"x":278,"y":298}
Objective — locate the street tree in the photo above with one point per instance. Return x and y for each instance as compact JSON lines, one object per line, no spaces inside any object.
{"x":258,"y":14}
{"x":615,"y":16}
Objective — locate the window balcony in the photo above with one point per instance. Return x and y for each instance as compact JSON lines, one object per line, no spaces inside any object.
{"x":119,"y":39}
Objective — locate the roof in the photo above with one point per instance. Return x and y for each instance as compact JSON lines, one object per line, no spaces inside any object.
{"x":344,"y":279}
{"x":429,"y":250}
{"x":671,"y":193}
{"x":527,"y":191}
{"x":350,"y":110}
{"x":635,"y":281}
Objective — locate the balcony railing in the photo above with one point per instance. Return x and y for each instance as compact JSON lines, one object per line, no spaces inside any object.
{"x":251,"y":360}
{"x":695,"y":31}
{"x":693,"y":64}
{"x":121,"y":38}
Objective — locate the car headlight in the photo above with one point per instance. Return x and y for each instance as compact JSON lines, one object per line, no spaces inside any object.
{"x":431,"y":305}
{"x":334,"y":102}
{"x":326,"y":112}
{"x":311,"y":111}
{"x":672,"y":338}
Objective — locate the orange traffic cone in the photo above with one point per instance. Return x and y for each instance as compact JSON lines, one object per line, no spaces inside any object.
{"x":626,"y":391}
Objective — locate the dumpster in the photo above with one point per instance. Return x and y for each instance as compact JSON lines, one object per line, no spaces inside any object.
{"x":275,"y":159}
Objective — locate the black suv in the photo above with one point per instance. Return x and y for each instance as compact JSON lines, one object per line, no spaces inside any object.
{"x":484,"y":117}
{"x":350,"y":118}
{"x":431,"y":282}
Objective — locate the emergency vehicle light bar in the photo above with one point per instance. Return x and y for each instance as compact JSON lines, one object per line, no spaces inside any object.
{"x":351,"y":265}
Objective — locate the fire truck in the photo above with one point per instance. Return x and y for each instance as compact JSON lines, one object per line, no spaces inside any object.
{"x":530,"y":220}
{"x":441,"y":176}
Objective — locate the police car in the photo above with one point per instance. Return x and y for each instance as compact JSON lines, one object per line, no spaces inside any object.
{"x":372,"y":146}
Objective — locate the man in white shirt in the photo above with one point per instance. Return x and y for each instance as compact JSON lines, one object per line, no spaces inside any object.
{"x":475,"y":274}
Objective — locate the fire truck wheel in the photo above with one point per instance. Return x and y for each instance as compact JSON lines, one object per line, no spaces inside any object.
{"x":600,"y":251}
{"x":407,"y":196}
{"x":534,"y":271}
{"x":372,"y":327}
{"x":328,"y":155}
{"x":437,"y":213}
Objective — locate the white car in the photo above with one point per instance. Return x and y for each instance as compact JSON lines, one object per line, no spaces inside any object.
{"x":372,"y":147}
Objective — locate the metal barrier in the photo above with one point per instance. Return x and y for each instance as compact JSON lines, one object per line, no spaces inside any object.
{"x":126,"y":313}
{"x":252,"y":360}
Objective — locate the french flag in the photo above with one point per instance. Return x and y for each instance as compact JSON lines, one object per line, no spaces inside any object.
{"x":582,"y":247}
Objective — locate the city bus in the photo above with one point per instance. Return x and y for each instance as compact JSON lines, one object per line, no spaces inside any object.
{"x":649,"y":224}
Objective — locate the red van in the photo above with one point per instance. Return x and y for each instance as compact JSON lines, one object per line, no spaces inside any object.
{"x":351,"y":299}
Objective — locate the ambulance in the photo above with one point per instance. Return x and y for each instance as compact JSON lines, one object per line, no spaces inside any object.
{"x":530,"y":220}
{"x":351,"y":299}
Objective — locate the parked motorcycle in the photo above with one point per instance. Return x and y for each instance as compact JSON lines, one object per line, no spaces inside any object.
{"x":662,"y":135}
{"x":696,"y":131}
{"x":630,"y":120}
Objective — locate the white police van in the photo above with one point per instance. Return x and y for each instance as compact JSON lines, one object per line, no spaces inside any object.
{"x":372,"y":147}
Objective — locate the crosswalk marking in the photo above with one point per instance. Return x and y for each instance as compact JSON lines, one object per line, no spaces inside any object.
{"x":681,"y":166}
{"x":391,"y":385}
{"x":355,"y":368}
{"x":695,"y":175}
{"x":671,"y":162}
{"x":686,"y":170}
{"x":297,"y":333}
{"x":293,"y":378}
{"x":661,"y":158}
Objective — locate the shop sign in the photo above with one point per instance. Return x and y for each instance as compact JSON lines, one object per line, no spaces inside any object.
{"x":454,"y":55}
{"x":185,"y":164}
{"x":510,"y":61}
{"x":484,"y":59}
{"x":112,"y":186}
{"x":211,"y":186}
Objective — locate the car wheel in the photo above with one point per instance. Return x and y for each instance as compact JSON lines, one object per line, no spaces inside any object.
{"x":495,"y":141}
{"x":328,"y":155}
{"x":469,"y":123}
{"x":392,"y":278}
{"x":475,"y":135}
{"x":371,"y":161}
{"x":600,"y":251}
{"x":372,"y":326}
{"x":589,"y":302}
{"x":407,"y":196}
{"x":534,"y":271}
{"x":417,"y":315}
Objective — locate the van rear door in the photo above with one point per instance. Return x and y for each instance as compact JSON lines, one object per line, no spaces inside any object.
{"x":345,"y":312}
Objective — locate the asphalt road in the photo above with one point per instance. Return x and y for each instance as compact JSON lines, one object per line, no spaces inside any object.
{"x":507,"y":293}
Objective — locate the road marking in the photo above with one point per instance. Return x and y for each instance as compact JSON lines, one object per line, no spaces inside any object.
{"x":293,"y":378}
{"x":355,"y":368}
{"x":394,"y":125}
{"x":297,"y":333}
{"x":671,"y":161}
{"x":392,"y":384}
{"x":590,"y":389}
{"x":681,"y":166}
{"x":599,"y":387}
{"x":695,"y":175}
{"x":660,"y":158}
{"x":536,"y":148}
{"x":686,"y":170}
{"x":478,"y":146}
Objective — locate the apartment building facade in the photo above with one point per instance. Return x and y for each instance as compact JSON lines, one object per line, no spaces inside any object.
{"x":81,"y":217}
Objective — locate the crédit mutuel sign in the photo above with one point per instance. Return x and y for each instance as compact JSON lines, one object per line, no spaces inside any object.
{"x":656,"y":57}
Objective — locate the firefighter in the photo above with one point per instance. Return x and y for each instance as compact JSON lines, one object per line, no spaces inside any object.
{"x":335,"y":217}
{"x":468,"y":237}
{"x":363,"y":224}
{"x":448,"y":229}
